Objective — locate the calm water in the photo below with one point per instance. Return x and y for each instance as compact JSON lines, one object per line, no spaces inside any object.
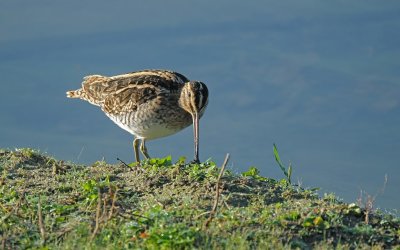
{"x":319,"y":79}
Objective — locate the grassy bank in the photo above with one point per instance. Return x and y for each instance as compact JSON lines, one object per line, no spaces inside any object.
{"x":49,"y":203}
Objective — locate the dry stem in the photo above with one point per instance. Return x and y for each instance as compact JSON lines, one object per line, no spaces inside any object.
{"x":40,"y":221}
{"x":3,"y":241}
{"x":98,"y":211}
{"x":123,"y":163}
{"x":114,"y":198}
{"x":369,"y":200}
{"x":217,"y":193}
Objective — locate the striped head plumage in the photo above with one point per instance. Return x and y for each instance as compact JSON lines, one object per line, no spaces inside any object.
{"x":194,"y":97}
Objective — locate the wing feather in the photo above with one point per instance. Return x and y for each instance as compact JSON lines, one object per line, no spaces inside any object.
{"x":101,"y":88}
{"x":129,"y":98}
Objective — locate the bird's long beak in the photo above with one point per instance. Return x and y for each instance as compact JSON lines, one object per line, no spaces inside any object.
{"x":195,"y":117}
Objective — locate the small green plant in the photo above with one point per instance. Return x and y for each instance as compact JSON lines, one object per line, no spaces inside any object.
{"x":201,"y":171}
{"x":90,"y":188}
{"x":159,"y":162}
{"x":286,"y":171}
{"x":181,"y":160}
{"x":255,"y":173}
{"x":315,"y":222}
{"x":27,"y":152}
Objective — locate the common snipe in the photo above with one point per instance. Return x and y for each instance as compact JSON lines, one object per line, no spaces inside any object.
{"x":148,"y":104}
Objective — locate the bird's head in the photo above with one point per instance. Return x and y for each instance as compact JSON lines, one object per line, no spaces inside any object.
{"x":194,"y":98}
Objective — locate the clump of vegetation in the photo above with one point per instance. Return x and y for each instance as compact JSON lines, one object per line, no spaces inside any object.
{"x":48,"y":203}
{"x":287,"y":171}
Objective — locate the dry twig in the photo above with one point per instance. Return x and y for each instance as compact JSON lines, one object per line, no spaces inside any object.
{"x":98,"y":211}
{"x":199,"y":215}
{"x":217,"y":193}
{"x":40,"y":222}
{"x":3,"y":241}
{"x":104,"y":212}
{"x":123,"y":163}
{"x":114,"y":198}
{"x":370,"y":200}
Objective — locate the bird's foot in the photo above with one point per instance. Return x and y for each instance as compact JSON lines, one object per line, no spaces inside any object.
{"x":195,"y":161}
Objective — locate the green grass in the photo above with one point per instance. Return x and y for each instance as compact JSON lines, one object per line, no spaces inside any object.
{"x":50,"y":204}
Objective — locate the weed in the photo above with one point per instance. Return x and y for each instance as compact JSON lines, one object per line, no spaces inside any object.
{"x":367,"y":200}
{"x":286,"y":171}
{"x":254,"y":173}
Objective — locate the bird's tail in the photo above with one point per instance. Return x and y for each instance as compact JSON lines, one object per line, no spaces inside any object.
{"x":74,"y":93}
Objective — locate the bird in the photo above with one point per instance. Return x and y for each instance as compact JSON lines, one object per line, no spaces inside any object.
{"x":149,"y":104}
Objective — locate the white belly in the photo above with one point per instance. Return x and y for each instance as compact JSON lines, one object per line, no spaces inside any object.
{"x":152,"y":132}
{"x":148,"y":131}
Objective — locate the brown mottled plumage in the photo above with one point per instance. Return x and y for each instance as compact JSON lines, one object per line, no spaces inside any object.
{"x":148,"y":104}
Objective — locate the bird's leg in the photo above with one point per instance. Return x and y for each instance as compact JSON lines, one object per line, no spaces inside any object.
{"x":143,"y":149}
{"x":136,"y":149}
